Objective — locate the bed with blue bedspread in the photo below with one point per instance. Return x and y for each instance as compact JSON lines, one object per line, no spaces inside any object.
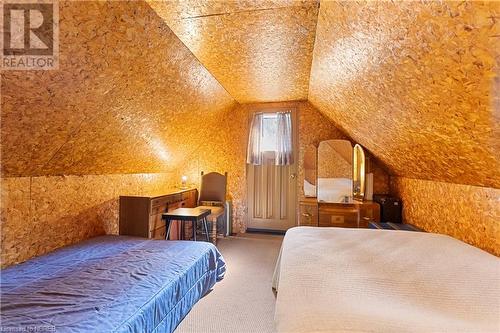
{"x":109,"y":284}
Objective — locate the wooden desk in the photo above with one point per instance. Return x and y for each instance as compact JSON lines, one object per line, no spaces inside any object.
{"x":141,"y":215}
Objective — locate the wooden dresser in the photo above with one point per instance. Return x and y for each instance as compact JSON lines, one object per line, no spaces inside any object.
{"x":141,"y":215}
{"x":322,"y":214}
{"x":346,"y":214}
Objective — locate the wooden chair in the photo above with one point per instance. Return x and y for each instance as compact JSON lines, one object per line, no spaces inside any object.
{"x":213,"y":196}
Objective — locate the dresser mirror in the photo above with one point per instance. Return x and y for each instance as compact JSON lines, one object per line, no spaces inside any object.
{"x":335,"y":171}
{"x":310,"y":168}
{"x":359,"y":175}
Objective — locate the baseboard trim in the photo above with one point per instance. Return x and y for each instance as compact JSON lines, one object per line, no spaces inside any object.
{"x":265,"y":231}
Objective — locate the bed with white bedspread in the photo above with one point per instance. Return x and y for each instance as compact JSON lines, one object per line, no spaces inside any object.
{"x":363,"y":280}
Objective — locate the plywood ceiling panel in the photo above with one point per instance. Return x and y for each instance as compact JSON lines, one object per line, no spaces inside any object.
{"x":415,"y":83}
{"x":181,"y":9}
{"x":259,"y":51}
{"x":128,"y":97}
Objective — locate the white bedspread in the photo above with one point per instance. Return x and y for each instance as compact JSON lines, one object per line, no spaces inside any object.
{"x":362,"y":280}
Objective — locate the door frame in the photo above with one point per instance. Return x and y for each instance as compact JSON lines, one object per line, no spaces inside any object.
{"x":272,"y":108}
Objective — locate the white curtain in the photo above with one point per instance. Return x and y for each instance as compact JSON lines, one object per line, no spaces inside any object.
{"x":283,"y":150}
{"x":284,"y":147}
{"x":254,"y":153}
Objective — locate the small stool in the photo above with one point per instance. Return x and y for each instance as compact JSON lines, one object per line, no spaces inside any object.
{"x":187,"y":214}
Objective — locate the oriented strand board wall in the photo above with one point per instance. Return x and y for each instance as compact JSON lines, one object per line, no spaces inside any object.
{"x":40,"y":214}
{"x":414,"y":82}
{"x":469,"y":213}
{"x":314,"y":127}
{"x":224,"y":150}
{"x":127,"y":110}
{"x":128,"y":97}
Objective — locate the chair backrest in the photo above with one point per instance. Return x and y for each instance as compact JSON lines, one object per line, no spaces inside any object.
{"x":213,"y":187}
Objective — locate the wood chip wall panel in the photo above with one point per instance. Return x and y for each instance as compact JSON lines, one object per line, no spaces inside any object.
{"x":260,"y":52}
{"x":469,"y":213}
{"x":128,"y":97}
{"x":181,"y":9}
{"x":224,"y":150}
{"x":314,"y":127}
{"x":15,"y":219}
{"x":414,"y":82}
{"x":40,"y":214}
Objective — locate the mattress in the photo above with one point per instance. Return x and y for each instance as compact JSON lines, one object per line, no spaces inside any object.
{"x":363,"y":280}
{"x":109,"y":284}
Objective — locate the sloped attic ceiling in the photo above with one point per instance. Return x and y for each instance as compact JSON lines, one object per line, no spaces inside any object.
{"x":119,"y":102}
{"x":260,"y":51}
{"x":415,"y":83}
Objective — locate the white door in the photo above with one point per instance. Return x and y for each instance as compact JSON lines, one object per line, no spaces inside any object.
{"x":272,"y":189}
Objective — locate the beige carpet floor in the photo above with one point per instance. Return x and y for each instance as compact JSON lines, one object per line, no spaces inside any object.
{"x":243,"y":302}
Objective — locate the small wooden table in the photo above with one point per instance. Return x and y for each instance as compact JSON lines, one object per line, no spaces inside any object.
{"x":187,"y":214}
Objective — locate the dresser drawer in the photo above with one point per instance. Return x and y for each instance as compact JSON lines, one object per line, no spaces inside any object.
{"x":308,"y":214}
{"x":179,"y":204}
{"x":159,"y":233}
{"x":155,"y":219}
{"x":161,"y":201}
{"x":166,"y":200}
{"x":344,"y":218}
{"x":187,"y":195}
{"x":163,"y":207}
{"x":159,"y":210}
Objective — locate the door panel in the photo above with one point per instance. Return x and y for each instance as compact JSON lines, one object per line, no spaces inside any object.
{"x":272,"y":198}
{"x":272,"y":192}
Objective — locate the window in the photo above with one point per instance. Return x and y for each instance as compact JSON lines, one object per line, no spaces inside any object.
{"x":270,"y":132}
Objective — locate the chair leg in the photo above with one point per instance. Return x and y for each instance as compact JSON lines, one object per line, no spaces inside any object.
{"x":169,"y":223}
{"x":206,"y":229}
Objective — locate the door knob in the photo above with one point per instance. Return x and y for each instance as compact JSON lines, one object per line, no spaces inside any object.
{"x":293,"y":176}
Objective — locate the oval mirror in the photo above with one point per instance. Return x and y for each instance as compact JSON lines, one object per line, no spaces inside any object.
{"x":358,"y":173}
{"x":335,"y":171}
{"x":310,"y":168}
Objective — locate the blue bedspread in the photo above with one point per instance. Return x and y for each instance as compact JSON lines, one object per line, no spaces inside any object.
{"x":109,"y":284}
